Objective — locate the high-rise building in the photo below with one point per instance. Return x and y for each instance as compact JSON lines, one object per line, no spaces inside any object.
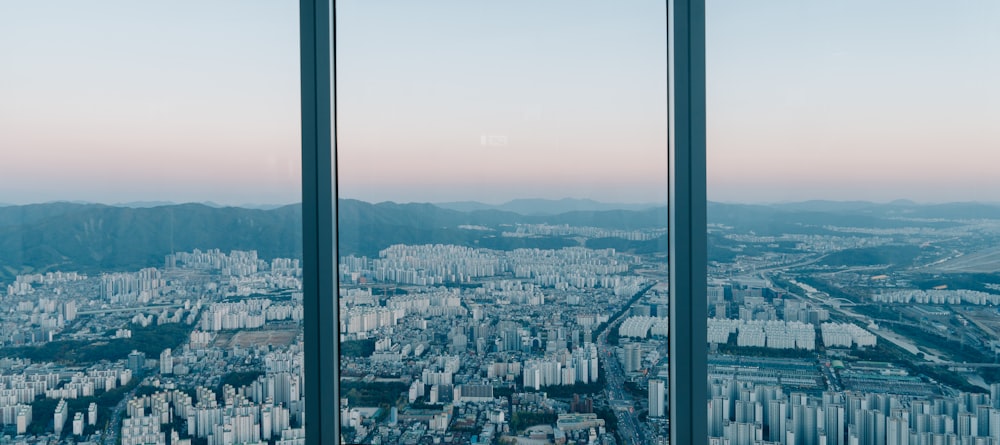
{"x":995,"y":395}
{"x":657,"y":393}
{"x":136,"y":360}
{"x":777,"y":419}
{"x":92,"y":414}
{"x":994,"y":427}
{"x":897,"y":432}
{"x":633,"y":357}
{"x":968,"y":424}
{"x":720,"y":310}
{"x":804,"y":424}
{"x":166,"y":362}
{"x":716,"y":416}
{"x":983,"y":418}
{"x":833,"y":423}
{"x":78,"y":424}
{"x":60,"y":416}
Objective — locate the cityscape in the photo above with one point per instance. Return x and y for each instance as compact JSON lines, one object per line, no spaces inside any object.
{"x":501,"y":176}
{"x":829,"y":323}
{"x":205,"y":348}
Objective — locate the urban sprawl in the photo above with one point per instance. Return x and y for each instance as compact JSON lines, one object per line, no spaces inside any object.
{"x":443,"y":343}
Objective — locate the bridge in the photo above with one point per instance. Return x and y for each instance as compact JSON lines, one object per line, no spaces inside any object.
{"x":843,"y":302}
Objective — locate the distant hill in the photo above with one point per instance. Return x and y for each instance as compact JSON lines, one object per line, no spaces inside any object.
{"x":826,"y":206}
{"x":815,"y":216}
{"x":92,"y":237}
{"x":145,"y":204}
{"x":367,"y":228}
{"x":899,"y":208}
{"x":33,"y":213}
{"x":466,"y":206}
{"x":957,"y":210}
{"x":545,"y":206}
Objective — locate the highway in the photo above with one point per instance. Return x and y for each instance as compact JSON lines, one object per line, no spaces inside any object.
{"x":110,"y":434}
{"x":619,"y":400}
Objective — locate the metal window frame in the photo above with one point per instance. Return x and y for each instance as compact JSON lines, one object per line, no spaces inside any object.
{"x":687,"y":228}
{"x":687,"y":222}
{"x":319,"y":222}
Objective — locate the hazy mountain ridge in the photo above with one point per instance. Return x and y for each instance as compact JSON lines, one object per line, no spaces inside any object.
{"x":32,"y":213}
{"x":808,"y":218}
{"x":367,"y":228}
{"x":94,"y":238}
{"x":432,"y":216}
{"x":535,"y":207}
{"x":899,"y":208}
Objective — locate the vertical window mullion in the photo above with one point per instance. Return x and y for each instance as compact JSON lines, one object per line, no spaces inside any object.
{"x":687,"y":231}
{"x":319,"y":223}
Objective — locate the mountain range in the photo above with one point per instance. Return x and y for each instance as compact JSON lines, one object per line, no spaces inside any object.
{"x":93,"y":238}
{"x":545,"y":206}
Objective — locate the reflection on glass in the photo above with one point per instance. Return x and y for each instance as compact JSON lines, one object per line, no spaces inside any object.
{"x":150,"y":239}
{"x":502,"y":178}
{"x":852,"y":280}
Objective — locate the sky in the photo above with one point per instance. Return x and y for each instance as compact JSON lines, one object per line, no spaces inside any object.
{"x":872,"y":100}
{"x":123,"y":101}
{"x":497,"y":100}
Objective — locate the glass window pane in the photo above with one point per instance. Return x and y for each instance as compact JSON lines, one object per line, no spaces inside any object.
{"x":852,"y":222}
{"x":150,"y":236}
{"x":502,"y":172}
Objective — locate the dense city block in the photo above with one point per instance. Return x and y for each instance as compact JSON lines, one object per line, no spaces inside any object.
{"x":824,"y":327}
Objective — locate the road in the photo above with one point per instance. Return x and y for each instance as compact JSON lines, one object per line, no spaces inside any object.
{"x":110,"y":434}
{"x":620,"y":401}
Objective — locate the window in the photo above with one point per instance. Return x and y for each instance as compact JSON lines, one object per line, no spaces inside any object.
{"x":484,"y":139}
{"x":504,"y":317}
{"x":150,"y":239}
{"x":132,"y":68}
{"x":850,"y":281}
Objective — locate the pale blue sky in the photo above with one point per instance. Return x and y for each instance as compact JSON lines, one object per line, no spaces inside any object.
{"x":855,"y":99}
{"x":575,"y":91}
{"x":117,"y":101}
